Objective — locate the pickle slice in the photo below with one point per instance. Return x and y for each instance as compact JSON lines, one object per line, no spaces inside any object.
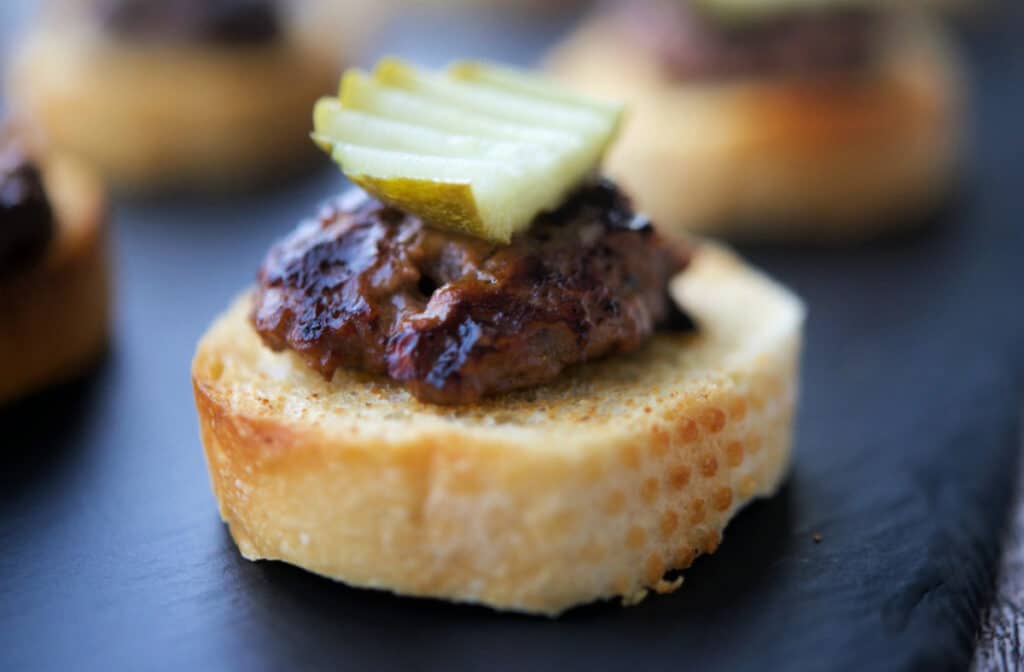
{"x":464,"y":193}
{"x":493,"y":101}
{"x":335,"y":125}
{"x":476,"y":148}
{"x":361,"y":92}
{"x":516,"y":81}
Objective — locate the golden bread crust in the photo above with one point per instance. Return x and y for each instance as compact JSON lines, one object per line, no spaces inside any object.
{"x":588,"y":488}
{"x":56,"y":315}
{"x":153,"y":117}
{"x":830,"y":159}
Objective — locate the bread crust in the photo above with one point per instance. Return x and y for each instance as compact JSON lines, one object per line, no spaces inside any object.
{"x":174,"y":117}
{"x":589,"y":488}
{"x":833,"y":159}
{"x":56,"y":315}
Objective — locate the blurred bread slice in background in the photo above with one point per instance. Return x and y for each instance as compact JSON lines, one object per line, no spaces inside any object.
{"x":57,"y":312}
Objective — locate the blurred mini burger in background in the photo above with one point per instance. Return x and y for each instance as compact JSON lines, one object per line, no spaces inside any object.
{"x":54,"y":268}
{"x":798,"y":120}
{"x":520,"y":6}
{"x":197,"y":95}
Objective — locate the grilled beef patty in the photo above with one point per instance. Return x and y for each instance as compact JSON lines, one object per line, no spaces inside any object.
{"x":26,"y":219}
{"x":694,"y":45}
{"x":455,"y":318}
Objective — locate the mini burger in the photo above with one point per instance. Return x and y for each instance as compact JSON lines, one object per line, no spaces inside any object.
{"x":482,"y":376}
{"x":797,"y":120}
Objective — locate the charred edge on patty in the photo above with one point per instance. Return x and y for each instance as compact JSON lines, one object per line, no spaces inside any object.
{"x":456,"y":318}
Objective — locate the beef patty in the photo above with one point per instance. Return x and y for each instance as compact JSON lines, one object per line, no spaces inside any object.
{"x":455,"y":318}
{"x":693,"y":45}
{"x":26,"y":219}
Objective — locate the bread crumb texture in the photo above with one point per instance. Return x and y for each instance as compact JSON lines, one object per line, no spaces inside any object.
{"x":592,"y":487}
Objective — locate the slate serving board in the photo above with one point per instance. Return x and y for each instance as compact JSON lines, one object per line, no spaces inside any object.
{"x":113,"y":556}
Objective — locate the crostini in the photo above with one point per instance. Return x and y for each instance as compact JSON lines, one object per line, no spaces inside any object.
{"x":484,"y":377}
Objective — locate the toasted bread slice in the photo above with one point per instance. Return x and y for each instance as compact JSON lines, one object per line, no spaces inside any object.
{"x":591,"y":487}
{"x":56,"y":315}
{"x":820,"y":159}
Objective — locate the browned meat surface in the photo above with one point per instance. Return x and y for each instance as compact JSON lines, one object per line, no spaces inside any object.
{"x":26,"y":219}
{"x":456,"y":318}
{"x":227,"y":22}
{"x":694,"y":45}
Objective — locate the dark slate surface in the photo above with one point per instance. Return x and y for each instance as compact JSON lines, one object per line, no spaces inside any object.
{"x":113,"y":556}
{"x":1000,"y":645}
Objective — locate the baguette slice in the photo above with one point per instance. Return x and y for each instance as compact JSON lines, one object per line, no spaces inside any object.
{"x":592,"y":487}
{"x":56,"y":315}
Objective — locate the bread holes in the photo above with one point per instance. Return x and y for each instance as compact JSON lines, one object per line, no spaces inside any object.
{"x":713,"y":420}
{"x":709,"y":465}
{"x":679,"y":477}
{"x":636,"y":537}
{"x":722,"y":498}
{"x":688,"y":431}
{"x":734,"y":453}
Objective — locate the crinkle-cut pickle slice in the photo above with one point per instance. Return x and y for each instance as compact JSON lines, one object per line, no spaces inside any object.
{"x":494,"y":101}
{"x":567,"y":153}
{"x":516,"y":81}
{"x":361,"y":92}
{"x":475,"y":148}
{"x":451,"y":202}
{"x":435,"y":188}
{"x":353,"y":127}
{"x":340,"y":125}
